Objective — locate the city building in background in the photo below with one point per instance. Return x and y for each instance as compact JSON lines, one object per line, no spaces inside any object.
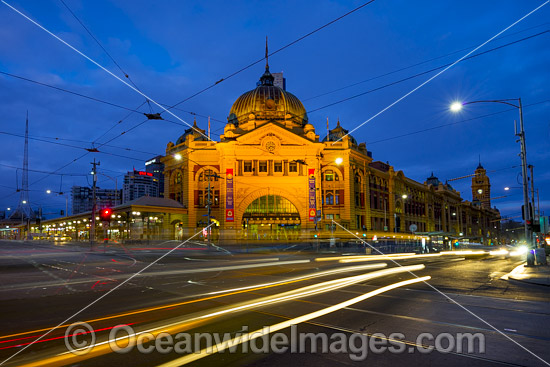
{"x":82,"y":198}
{"x":138,"y":184}
{"x":271,"y":177}
{"x":279,"y":80}
{"x":156,"y":167}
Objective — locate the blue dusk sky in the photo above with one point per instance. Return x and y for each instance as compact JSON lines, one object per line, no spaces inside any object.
{"x":350,"y":70}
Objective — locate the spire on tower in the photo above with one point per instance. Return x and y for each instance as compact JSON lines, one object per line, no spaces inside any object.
{"x":267,"y":78}
{"x":266,"y":55}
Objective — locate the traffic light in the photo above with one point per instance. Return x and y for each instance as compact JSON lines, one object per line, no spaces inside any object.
{"x":105,"y":214}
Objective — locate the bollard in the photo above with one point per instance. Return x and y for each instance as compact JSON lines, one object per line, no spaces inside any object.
{"x":531,"y":258}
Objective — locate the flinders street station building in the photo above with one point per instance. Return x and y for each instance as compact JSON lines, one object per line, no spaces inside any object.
{"x":271,"y":176}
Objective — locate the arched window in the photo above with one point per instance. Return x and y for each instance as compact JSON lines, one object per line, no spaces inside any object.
{"x":270,"y":205}
{"x":330,"y":199}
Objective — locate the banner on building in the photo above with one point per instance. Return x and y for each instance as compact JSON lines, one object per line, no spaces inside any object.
{"x":312,"y":200}
{"x":229,"y":205}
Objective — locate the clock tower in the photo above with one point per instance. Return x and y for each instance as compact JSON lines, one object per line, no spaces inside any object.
{"x":481,"y":187}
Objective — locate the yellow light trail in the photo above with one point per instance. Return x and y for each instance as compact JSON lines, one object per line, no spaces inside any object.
{"x":345,"y":260}
{"x":373,"y":257}
{"x":408,"y":255}
{"x":105,"y":347}
{"x":283,"y":325}
{"x":464,"y":252}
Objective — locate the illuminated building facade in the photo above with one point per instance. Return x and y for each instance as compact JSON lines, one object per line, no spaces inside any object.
{"x":271,"y":176}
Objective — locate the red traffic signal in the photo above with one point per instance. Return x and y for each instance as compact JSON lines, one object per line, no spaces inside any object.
{"x":105,"y":214}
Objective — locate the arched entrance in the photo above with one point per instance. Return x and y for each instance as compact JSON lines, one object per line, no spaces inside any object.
{"x":271,"y":217}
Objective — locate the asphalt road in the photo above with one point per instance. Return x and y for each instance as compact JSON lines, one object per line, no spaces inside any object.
{"x":196,"y":290}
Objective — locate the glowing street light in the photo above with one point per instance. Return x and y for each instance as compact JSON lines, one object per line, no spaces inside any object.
{"x":24,"y":201}
{"x":404,"y":196}
{"x":339,"y":160}
{"x":177,"y":156}
{"x":456,"y":106}
{"x":48,"y":191}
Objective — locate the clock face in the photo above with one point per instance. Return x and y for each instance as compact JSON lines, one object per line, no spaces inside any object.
{"x":480,"y":191}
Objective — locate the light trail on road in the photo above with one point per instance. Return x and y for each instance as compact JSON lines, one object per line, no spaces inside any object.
{"x":107,"y":346}
{"x":285,"y":324}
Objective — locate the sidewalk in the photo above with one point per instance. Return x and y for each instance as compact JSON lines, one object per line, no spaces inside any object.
{"x":539,"y":275}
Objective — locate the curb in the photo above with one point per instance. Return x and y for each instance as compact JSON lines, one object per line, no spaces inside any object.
{"x":527,"y":281}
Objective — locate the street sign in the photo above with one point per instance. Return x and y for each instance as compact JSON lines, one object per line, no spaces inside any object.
{"x":413,"y":227}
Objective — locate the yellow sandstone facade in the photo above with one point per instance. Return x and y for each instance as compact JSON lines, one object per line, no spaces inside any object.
{"x":271,"y":176}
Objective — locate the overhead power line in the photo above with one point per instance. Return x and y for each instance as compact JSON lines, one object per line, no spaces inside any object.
{"x":453,"y":123}
{"x":173,"y":106}
{"x":417,"y":64}
{"x":69,"y":91}
{"x":271,"y":54}
{"x":426,"y":72}
{"x":39,"y":171}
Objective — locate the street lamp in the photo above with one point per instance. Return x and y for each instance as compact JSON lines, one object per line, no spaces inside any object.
{"x":404,"y":196}
{"x":457,"y":106}
{"x":177,"y":156}
{"x":339,"y":160}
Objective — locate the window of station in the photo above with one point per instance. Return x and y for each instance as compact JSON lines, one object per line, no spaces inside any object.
{"x":271,"y":204}
{"x":330,"y":199}
{"x":247,"y":166}
{"x":277,"y":166}
{"x":262,"y":166}
{"x":292,"y":167}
